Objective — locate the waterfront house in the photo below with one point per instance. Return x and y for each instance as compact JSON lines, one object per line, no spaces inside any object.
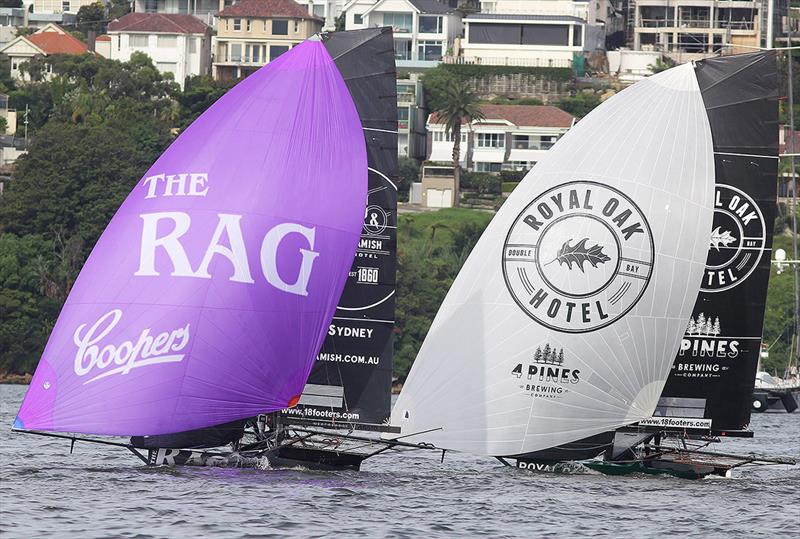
{"x":252,"y":33}
{"x":424,"y":30}
{"x":410,"y":118}
{"x":52,"y":39}
{"x":537,"y":33}
{"x":693,"y":29}
{"x":510,"y":137}
{"x":177,"y":43}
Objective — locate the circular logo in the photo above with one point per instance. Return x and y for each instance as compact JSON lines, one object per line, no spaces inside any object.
{"x":375,"y":220}
{"x":738,"y":237}
{"x":578,"y":257}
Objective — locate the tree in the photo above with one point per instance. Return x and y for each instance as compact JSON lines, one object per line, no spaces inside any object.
{"x":408,"y":169}
{"x":118,"y":8}
{"x":91,"y":17}
{"x":27,"y":312}
{"x":72,"y":180}
{"x":459,"y":104}
{"x":10,"y":3}
{"x":580,"y":105}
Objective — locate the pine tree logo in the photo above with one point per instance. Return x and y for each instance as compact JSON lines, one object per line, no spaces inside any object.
{"x":703,"y":327}
{"x":549,"y":355}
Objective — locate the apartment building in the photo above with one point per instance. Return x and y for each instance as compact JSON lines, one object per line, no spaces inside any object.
{"x":510,"y":137}
{"x":177,"y":43}
{"x":424,"y":30}
{"x":205,"y":10}
{"x":547,"y":33}
{"x":252,"y":33}
{"x":690,"y":29}
{"x":59,"y":6}
{"x":411,"y":117}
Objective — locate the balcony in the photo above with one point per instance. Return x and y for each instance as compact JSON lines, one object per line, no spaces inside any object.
{"x":505,"y":61}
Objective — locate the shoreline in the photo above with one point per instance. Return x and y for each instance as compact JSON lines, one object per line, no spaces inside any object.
{"x":11,"y":378}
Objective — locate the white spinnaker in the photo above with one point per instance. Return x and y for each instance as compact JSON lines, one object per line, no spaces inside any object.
{"x":650,"y":149}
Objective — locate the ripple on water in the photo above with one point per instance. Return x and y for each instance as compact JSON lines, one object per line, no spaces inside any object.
{"x":100,"y":492}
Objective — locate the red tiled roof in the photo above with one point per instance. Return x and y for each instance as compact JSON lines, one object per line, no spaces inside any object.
{"x":522,"y":115}
{"x":103,"y":38}
{"x":267,"y":9}
{"x":158,"y":23}
{"x":56,"y":43}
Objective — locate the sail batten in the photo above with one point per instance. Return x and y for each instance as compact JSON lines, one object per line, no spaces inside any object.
{"x":563,"y":321}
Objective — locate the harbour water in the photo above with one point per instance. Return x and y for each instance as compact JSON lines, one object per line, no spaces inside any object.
{"x":103,"y":491}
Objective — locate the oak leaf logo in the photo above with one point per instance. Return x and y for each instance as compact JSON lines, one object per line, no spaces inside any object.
{"x":579,"y":254}
{"x":718,"y":237}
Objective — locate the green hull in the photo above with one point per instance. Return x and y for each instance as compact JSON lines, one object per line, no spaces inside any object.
{"x":627,"y":468}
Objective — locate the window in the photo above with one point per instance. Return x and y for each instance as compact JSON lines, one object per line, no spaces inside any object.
{"x":548,"y":141}
{"x":442,"y":136}
{"x":358,"y":18}
{"x":296,"y":26}
{"x":520,"y":165}
{"x":14,"y":66}
{"x":151,"y":6}
{"x":523,"y":142}
{"x":402,"y":49}
{"x":577,"y":36}
{"x":488,"y":167}
{"x":277,"y":50}
{"x":193,"y":46}
{"x":519,"y":34}
{"x":236,"y":52}
{"x":280,"y":27}
{"x":429,"y":24}
{"x":137,"y":41}
{"x":491,"y":140}
{"x":402,"y":117}
{"x":429,"y":51}
{"x":319,"y":10}
{"x":167,"y":67}
{"x":237,"y":25}
{"x":167,"y":42}
{"x":401,"y":22}
{"x":249,"y":24}
{"x":254,"y":53}
{"x":65,"y":6}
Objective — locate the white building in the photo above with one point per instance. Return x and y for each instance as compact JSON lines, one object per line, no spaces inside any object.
{"x":535,"y":32}
{"x":411,"y":118}
{"x":60,"y":6}
{"x":177,"y":43}
{"x":205,"y":10}
{"x":510,"y":137}
{"x":424,"y":30}
{"x":691,"y":29}
{"x":47,"y":41}
{"x":10,"y":19}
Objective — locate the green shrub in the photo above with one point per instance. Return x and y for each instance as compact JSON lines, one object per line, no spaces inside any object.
{"x":482,"y":182}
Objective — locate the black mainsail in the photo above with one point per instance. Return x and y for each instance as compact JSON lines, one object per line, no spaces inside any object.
{"x":351,"y":379}
{"x":711,"y":382}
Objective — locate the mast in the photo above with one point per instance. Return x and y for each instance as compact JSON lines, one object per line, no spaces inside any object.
{"x":714,"y":371}
{"x":352,"y":376}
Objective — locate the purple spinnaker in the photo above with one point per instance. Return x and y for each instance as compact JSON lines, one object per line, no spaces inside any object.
{"x":210,"y":292}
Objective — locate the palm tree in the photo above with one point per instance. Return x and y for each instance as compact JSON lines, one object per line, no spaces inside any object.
{"x":458,"y":104}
